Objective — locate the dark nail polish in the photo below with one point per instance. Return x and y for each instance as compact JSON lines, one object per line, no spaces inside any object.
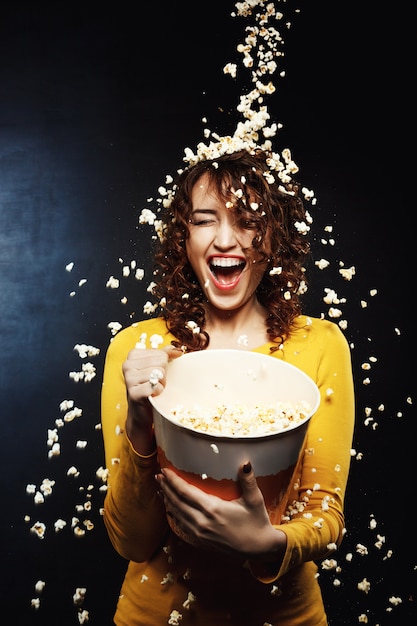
{"x":247,"y":468}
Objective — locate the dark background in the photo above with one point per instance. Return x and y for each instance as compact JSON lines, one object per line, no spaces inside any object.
{"x":96,"y":107}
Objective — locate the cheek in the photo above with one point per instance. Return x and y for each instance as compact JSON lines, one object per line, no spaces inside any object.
{"x":198,"y":242}
{"x":258,"y":269}
{"x":189,"y":246}
{"x":194,"y":252}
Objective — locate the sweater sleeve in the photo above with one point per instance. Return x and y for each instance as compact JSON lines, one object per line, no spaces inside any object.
{"x":314,"y":521}
{"x":134,"y":514}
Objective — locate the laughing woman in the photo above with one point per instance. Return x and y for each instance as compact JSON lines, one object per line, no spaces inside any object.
{"x":230,"y":263}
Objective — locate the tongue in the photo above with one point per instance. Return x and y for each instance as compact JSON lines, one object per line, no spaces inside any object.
{"x":226,"y":275}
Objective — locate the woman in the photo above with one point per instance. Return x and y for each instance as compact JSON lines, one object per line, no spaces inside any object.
{"x":230,"y":265}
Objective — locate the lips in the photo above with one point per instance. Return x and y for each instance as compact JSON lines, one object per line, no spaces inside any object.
{"x":226,"y":270}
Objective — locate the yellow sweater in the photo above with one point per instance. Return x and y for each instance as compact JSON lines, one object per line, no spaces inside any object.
{"x":170,"y":582}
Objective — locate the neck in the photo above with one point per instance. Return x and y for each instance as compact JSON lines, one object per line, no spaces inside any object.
{"x":242,"y":328}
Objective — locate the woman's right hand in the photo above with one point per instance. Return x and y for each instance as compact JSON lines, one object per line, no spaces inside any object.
{"x":145,"y":375}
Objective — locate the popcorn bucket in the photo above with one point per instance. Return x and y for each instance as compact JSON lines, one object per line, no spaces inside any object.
{"x":204,"y":380}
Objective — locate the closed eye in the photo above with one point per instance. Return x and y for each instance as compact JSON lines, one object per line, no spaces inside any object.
{"x":248,"y":224}
{"x":202,"y":222}
{"x":203,"y":217}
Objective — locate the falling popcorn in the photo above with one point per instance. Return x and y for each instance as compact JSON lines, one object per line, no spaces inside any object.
{"x":260,"y":64}
{"x":114,"y":327}
{"x":87,"y":373}
{"x":193,"y":326}
{"x":395,"y":601}
{"x":147,"y":217}
{"x":347,"y":274}
{"x":85,"y":350}
{"x":83,"y":616}
{"x":175,"y":618}
{"x":190,"y":599}
{"x":230,"y":68}
{"x":322,"y":264}
{"x":113,"y":283}
{"x":38,"y":529}
{"x":40,"y":586}
{"x":302,"y":227}
{"x":361,"y":549}
{"x":59,"y":525}
{"x":72,"y":414}
{"x":149,"y":308}
{"x":242,"y":340}
{"x":79,"y":595}
{"x":364,"y":585}
{"x":155,"y":341}
{"x":38,"y":499}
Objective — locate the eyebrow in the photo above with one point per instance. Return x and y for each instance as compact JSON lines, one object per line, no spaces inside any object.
{"x":208,"y":211}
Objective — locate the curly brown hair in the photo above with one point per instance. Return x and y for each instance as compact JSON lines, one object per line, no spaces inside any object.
{"x":278,"y":209}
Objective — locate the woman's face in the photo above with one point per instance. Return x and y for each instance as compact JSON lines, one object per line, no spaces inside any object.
{"x":220,"y":250}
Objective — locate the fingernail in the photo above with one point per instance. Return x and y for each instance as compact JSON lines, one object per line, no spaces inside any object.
{"x":247,"y":468}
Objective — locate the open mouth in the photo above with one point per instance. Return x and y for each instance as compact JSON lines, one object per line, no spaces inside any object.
{"x":226,"y":271}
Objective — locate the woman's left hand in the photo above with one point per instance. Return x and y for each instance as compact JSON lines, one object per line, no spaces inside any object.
{"x":239,"y":527}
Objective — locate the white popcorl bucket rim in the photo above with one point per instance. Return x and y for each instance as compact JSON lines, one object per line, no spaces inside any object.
{"x":263,"y":369}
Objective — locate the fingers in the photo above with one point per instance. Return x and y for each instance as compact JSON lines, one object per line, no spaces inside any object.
{"x":147,"y":357}
{"x":179,"y":492}
{"x":145,"y":372}
{"x":157,"y":376}
{"x":174,"y":485}
{"x":247,"y":467}
{"x":172,"y":352}
{"x":250,"y":490}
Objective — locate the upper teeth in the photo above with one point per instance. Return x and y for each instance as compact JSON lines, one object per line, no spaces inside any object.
{"x":226,"y":262}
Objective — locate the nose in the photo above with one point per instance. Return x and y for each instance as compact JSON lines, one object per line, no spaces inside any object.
{"x":225,"y":235}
